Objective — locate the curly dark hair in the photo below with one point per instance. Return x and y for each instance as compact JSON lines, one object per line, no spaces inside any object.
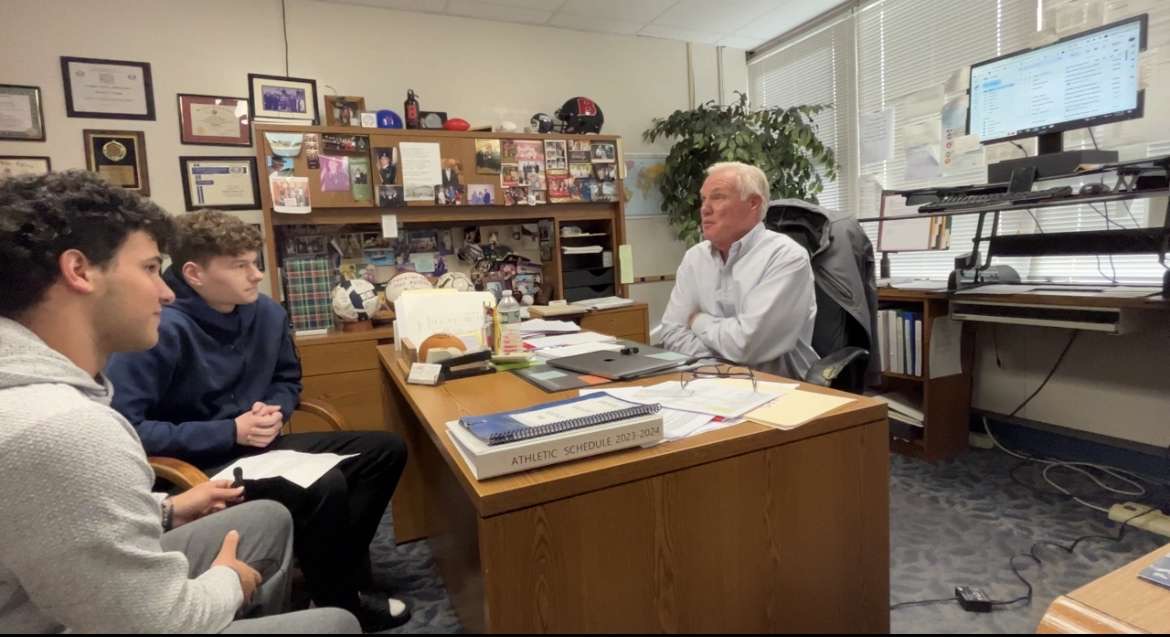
{"x":210,"y":233}
{"x":42,"y":216}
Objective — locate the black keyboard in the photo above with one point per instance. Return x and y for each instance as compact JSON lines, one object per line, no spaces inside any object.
{"x":957,"y":202}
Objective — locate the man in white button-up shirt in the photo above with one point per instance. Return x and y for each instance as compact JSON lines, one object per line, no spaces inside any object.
{"x":746,"y":293}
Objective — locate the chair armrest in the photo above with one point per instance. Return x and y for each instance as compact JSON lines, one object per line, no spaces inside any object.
{"x":826,"y":370}
{"x":181,"y":474}
{"x":324,"y":411}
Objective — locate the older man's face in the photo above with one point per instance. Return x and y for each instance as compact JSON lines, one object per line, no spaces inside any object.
{"x":724,"y":216}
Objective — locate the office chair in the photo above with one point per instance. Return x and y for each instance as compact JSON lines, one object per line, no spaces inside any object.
{"x":184,"y":475}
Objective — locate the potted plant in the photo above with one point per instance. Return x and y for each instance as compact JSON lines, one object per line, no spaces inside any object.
{"x":780,"y":141}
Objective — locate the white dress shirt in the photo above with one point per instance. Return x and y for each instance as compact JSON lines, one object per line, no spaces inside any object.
{"x":756,"y":309}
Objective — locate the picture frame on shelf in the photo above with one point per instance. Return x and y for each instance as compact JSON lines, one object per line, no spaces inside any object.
{"x":110,"y":89}
{"x":213,"y":120}
{"x":344,"y":110}
{"x":288,"y":100}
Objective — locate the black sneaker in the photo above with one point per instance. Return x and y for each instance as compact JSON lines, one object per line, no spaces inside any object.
{"x":377,"y":613}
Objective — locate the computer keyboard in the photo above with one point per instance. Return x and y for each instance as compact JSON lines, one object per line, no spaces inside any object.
{"x":958,"y":202}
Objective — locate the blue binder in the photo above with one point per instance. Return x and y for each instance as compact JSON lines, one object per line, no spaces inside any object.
{"x":503,"y":427}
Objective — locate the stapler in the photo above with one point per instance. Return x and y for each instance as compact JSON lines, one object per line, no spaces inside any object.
{"x":466,"y":365}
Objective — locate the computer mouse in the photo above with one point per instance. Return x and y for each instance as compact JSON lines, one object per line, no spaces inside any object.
{"x":1094,"y":188}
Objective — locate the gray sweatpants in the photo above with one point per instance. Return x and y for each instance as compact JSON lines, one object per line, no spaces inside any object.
{"x":266,"y":537}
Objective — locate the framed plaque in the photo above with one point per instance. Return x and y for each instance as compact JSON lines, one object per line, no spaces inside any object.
{"x":119,"y":156}
{"x":286,"y":99}
{"x":113,"y":89}
{"x":211,"y":120}
{"x":20,"y":165}
{"x":21,"y":115}
{"x":223,"y":183}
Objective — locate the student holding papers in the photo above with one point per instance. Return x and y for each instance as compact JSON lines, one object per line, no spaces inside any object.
{"x":220,"y":383}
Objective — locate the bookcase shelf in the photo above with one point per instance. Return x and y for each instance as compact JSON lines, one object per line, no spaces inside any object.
{"x":946,"y":401}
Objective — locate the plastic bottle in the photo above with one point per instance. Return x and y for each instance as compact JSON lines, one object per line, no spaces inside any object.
{"x":509,"y":313}
{"x":410,"y":106}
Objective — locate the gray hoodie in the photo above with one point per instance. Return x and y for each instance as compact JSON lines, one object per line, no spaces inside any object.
{"x":79,"y":526}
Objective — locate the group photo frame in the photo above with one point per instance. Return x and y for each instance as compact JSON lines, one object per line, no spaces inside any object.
{"x":285,"y":99}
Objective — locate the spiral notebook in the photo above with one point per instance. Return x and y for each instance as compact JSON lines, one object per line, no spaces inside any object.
{"x":554,"y":417}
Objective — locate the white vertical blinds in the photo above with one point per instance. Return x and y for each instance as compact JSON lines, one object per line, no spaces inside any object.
{"x":900,"y":54}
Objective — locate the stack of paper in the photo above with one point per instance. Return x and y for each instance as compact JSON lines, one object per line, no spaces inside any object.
{"x":903,"y":408}
{"x":563,"y":340}
{"x":543,"y":326}
{"x":603,"y":303}
{"x":581,"y":249}
{"x":573,"y":350}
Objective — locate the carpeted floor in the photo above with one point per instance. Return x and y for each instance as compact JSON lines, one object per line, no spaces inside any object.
{"x":954,"y":523}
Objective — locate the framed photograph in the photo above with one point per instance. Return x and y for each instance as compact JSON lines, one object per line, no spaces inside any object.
{"x":113,"y":89}
{"x":119,"y":156}
{"x":18,"y":166}
{"x":288,"y":99}
{"x":487,"y":156}
{"x":21,"y":115}
{"x":344,"y":110}
{"x":212,"y":120}
{"x":223,"y":183}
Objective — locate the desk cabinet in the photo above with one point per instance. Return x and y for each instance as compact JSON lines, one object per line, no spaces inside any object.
{"x":1119,"y":602}
{"x":946,"y":402}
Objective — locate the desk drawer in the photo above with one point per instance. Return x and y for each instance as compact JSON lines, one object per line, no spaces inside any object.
{"x":616,"y":323}
{"x":332,"y":358}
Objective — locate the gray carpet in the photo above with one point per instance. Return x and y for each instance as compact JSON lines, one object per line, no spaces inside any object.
{"x":954,"y":523}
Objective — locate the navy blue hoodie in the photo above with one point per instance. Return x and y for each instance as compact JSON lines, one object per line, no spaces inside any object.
{"x":184,"y":394}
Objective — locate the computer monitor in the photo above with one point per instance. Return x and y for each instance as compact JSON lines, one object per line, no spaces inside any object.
{"x":1085,"y":79}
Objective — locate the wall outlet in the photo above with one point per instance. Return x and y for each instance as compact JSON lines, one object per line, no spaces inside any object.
{"x":1154,"y":522}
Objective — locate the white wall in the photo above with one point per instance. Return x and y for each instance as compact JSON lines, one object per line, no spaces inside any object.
{"x":479,"y":70}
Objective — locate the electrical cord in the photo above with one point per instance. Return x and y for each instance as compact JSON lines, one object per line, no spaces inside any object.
{"x":1047,"y":378}
{"x":1022,"y":149}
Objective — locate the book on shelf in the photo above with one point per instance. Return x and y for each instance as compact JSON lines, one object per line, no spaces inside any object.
{"x":553,"y":418}
{"x":901,"y":339}
{"x":489,"y":461}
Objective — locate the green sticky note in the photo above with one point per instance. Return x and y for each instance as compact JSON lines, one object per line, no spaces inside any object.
{"x":547,"y":375}
{"x":669,"y":356}
{"x":626,"y":261}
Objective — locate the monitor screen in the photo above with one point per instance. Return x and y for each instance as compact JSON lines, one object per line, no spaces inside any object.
{"x":1083,"y":80}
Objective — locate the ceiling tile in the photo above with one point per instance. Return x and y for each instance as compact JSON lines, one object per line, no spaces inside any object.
{"x":486,"y":11}
{"x":725,"y":16}
{"x":684,"y":35}
{"x":534,"y":5}
{"x":642,"y":11}
{"x":423,"y":6}
{"x":777,"y":22}
{"x":600,"y":24}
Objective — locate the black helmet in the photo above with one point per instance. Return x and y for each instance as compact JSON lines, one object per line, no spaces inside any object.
{"x":580,"y":115}
{"x":542,"y":123}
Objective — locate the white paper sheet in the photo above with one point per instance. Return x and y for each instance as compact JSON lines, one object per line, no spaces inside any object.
{"x":904,"y":235}
{"x":946,"y":340}
{"x":421,"y":170}
{"x":573,"y":350}
{"x":547,"y":326}
{"x":877,"y":136}
{"x":302,"y":469}
{"x":922,"y":162}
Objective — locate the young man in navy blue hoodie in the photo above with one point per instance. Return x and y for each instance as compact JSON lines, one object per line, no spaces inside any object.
{"x":221,"y":382}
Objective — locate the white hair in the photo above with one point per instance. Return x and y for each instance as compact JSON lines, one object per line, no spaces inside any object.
{"x":749,"y":180}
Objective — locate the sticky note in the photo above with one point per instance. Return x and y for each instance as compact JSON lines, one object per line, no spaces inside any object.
{"x":626,"y":257}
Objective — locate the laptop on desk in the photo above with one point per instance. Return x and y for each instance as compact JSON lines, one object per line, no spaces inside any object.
{"x":630,"y":362}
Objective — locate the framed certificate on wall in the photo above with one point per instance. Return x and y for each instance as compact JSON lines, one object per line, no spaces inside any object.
{"x":113,"y":89}
{"x":119,"y":156}
{"x":211,"y":120}
{"x":223,"y":183}
{"x":21,"y":115}
{"x":20,"y":165}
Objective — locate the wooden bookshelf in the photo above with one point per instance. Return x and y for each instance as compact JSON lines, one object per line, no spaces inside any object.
{"x":946,"y":402}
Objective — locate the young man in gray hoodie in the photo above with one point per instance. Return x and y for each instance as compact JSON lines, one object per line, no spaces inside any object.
{"x":86,"y":546}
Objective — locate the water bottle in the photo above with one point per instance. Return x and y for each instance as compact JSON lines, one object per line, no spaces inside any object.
{"x":510,"y":338}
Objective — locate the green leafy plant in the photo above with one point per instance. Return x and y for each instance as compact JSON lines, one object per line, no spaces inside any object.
{"x":780,"y":141}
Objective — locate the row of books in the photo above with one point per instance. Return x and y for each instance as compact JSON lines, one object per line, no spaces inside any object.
{"x":542,"y":435}
{"x":900,"y":332}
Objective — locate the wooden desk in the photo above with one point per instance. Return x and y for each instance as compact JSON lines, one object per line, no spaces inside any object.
{"x":1115,"y":603}
{"x":746,"y":529}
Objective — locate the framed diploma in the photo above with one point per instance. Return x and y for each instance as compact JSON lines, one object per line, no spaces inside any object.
{"x":18,"y":166}
{"x":223,"y":183}
{"x":210,"y":120}
{"x":119,"y":156}
{"x":285,"y":99}
{"x":21,"y":115}
{"x":112,"y":89}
